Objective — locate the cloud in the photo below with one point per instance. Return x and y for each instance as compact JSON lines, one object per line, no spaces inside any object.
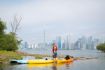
{"x":57,"y":17}
{"x":47,"y":11}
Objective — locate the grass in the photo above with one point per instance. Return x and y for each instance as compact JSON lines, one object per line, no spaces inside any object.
{"x":5,"y":56}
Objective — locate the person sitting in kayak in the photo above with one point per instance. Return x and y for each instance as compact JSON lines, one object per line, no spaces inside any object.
{"x":54,"y":50}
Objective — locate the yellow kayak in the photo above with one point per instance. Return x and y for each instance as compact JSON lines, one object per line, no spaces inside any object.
{"x":42,"y":61}
{"x":39,"y":61}
{"x":65,"y":61}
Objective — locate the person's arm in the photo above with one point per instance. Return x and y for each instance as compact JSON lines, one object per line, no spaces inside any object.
{"x":53,"y":50}
{"x":57,"y":47}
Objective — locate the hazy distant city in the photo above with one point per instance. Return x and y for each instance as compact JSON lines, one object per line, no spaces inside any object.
{"x":82,"y":43}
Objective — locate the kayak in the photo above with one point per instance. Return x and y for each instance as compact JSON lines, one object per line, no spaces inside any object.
{"x":45,"y":65}
{"x":53,"y":65}
{"x":41,"y":61}
{"x":65,"y":61}
{"x":19,"y":61}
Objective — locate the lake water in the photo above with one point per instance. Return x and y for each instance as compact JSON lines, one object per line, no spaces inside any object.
{"x":91,"y":64}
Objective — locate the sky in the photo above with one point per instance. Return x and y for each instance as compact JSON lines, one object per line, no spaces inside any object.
{"x":75,"y":18}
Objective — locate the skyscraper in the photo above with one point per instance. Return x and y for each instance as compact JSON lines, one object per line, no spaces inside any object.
{"x":59,"y":42}
{"x":26,"y":44}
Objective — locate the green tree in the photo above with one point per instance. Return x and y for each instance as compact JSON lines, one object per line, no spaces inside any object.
{"x":8,"y":41}
{"x":2,"y":27}
{"x":101,"y":47}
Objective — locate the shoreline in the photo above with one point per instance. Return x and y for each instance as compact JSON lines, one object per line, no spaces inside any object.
{"x":6,"y":56}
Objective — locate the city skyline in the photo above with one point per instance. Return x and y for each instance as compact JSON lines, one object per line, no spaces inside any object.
{"x":57,"y":18}
{"x":82,"y":43}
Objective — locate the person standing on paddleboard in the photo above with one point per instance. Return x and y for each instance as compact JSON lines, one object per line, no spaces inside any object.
{"x":54,"y":50}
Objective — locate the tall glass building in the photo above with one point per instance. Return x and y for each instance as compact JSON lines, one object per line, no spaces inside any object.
{"x":59,"y":42}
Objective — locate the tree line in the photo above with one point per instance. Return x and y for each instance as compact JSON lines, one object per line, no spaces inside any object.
{"x":9,"y":41}
{"x":101,"y":47}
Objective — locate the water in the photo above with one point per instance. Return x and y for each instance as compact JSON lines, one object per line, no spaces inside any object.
{"x":91,"y":64}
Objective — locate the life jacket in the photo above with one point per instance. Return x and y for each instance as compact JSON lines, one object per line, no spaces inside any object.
{"x":54,"y":48}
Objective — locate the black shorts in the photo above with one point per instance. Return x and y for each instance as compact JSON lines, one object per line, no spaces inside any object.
{"x":55,"y":55}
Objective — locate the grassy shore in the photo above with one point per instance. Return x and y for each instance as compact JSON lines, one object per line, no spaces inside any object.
{"x":5,"y":56}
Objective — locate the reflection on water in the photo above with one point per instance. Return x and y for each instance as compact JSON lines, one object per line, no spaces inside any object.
{"x":54,"y":67}
{"x":68,"y":65}
{"x":1,"y":67}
